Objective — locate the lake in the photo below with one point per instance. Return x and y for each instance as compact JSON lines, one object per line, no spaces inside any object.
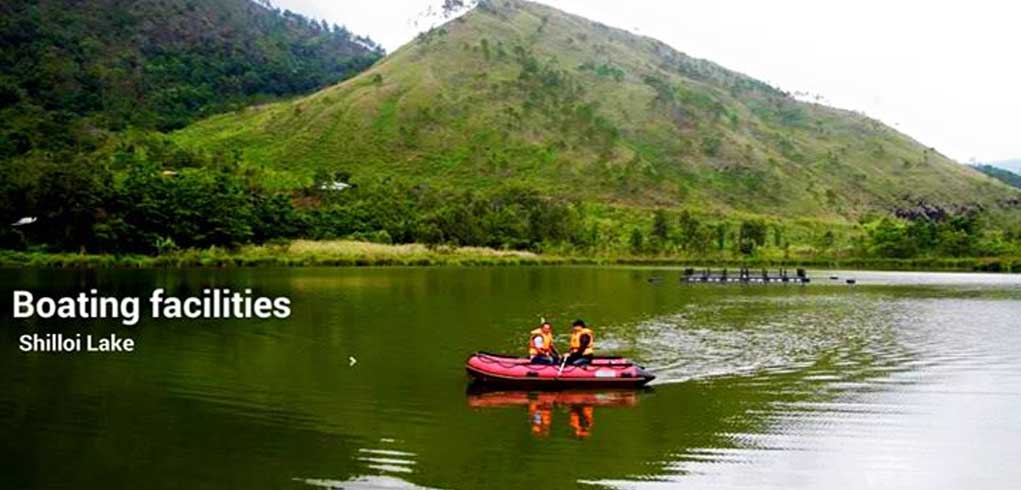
{"x":904,"y":380}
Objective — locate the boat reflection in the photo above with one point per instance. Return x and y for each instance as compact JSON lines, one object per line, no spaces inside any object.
{"x":580,"y":406}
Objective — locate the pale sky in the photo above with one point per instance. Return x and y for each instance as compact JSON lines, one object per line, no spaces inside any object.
{"x":946,"y":73}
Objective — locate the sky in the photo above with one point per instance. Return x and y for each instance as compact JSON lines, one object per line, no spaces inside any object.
{"x":946,"y":73}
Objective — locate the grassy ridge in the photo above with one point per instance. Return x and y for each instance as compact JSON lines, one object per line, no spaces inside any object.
{"x":515,"y":92}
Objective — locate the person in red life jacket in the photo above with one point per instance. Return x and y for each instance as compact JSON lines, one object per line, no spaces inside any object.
{"x":583,"y":345}
{"x":540,"y":345}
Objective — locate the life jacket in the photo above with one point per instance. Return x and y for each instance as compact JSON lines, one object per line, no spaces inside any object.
{"x":539,"y":343}
{"x":576,"y":341}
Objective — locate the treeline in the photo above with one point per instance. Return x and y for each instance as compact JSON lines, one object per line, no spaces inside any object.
{"x":150,"y":196}
{"x":71,"y":71}
{"x":1006,"y":176}
{"x":965,"y":234}
{"x":961,"y":235}
{"x":147,"y":195}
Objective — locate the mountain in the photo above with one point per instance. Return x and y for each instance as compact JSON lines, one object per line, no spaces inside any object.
{"x":1006,"y":176}
{"x":1011,"y":165}
{"x":516,"y":92}
{"x":72,"y":71}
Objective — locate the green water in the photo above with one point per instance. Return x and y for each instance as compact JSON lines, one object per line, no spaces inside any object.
{"x":904,"y":380}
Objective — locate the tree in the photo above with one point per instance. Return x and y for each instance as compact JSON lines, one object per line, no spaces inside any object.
{"x":68,"y":198}
{"x":636,"y":241}
{"x":689,"y":229}
{"x":721,"y":236}
{"x":888,"y":238}
{"x":826,"y":240}
{"x":752,"y":234}
{"x":660,"y":226}
{"x":777,"y":236}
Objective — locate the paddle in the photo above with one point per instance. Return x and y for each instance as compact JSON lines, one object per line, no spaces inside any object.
{"x":554,"y":348}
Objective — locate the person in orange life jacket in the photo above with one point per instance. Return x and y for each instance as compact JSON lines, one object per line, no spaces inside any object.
{"x":583,"y":345}
{"x":540,"y":345}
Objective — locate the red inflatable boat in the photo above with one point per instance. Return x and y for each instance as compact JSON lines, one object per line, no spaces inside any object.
{"x":516,"y":371}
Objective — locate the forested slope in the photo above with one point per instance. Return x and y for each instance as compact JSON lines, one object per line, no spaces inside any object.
{"x":71,"y":71}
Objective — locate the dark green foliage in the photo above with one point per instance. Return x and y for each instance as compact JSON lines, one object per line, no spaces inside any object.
{"x":1005,"y":176}
{"x":695,"y":236}
{"x":636,"y":241}
{"x":193,"y":208}
{"x":512,"y":218}
{"x":664,"y":91}
{"x":827,"y":240}
{"x":960,"y":235}
{"x":711,"y":145}
{"x":485,"y":49}
{"x":660,"y":226}
{"x":142,"y":197}
{"x":889,"y":238}
{"x":154,"y":197}
{"x":67,"y":199}
{"x":752,"y":234}
{"x":702,"y":101}
{"x":72,"y":70}
{"x":721,"y":236}
{"x":604,"y":70}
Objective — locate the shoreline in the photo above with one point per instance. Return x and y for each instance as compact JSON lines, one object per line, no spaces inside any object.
{"x":305,"y":253}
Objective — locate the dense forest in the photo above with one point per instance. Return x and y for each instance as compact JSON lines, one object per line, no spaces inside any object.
{"x":72,"y":71}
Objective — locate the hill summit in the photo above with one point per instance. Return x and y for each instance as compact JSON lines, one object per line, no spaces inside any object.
{"x":515,"y":92}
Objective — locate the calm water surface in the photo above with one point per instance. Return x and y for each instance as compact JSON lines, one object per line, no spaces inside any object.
{"x":904,"y":380}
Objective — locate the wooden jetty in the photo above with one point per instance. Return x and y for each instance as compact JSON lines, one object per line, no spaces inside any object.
{"x":745,"y":275}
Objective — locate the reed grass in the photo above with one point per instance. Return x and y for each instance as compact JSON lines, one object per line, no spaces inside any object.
{"x":348,"y":253}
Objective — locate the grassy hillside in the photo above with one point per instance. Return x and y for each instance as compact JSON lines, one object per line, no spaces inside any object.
{"x":515,"y":92}
{"x":72,"y":71}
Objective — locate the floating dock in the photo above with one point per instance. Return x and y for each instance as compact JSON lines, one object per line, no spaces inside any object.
{"x":745,"y":275}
